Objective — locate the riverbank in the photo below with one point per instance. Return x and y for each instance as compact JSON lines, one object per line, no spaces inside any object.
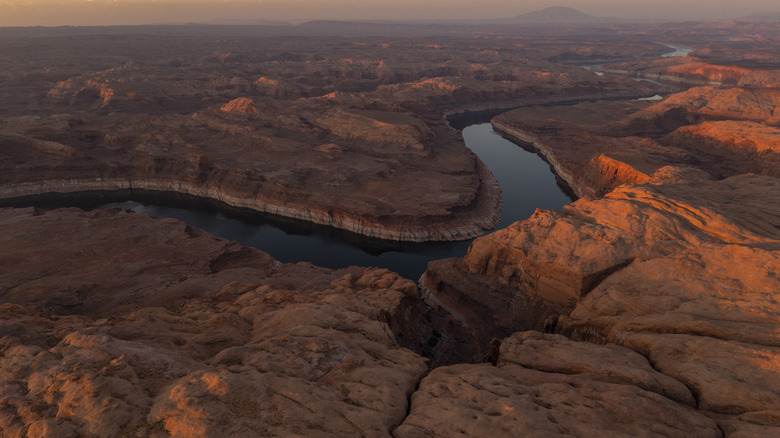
{"x":486,"y":206}
{"x":544,"y":151}
{"x":292,"y":240}
{"x":467,"y":219}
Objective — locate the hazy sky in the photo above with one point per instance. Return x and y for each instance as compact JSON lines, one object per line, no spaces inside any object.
{"x":99,"y":12}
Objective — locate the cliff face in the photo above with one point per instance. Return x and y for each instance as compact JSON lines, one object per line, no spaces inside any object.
{"x":322,"y":130}
{"x":663,"y":280}
{"x":681,"y":270}
{"x":561,"y":256}
{"x":546,"y":385}
{"x":588,"y":148}
{"x":751,"y":147}
{"x":596,"y":147}
{"x":318,"y":172}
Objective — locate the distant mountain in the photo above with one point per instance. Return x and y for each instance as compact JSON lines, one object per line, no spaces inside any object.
{"x":765,"y":18}
{"x":555,"y":15}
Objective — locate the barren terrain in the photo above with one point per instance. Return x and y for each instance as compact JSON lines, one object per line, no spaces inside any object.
{"x":649,"y":307}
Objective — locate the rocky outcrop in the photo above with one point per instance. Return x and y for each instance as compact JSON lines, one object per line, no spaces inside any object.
{"x":447,"y":285}
{"x":695,"y":72}
{"x":671,"y":270}
{"x":677,"y":277}
{"x":735,"y":103}
{"x":750,"y":147}
{"x":595,"y":152}
{"x":658,"y":293}
{"x":585,"y":148}
{"x":382,"y":183}
{"x":562,"y":256}
{"x":731,"y":75}
{"x":548,"y":385}
{"x":165,"y":330}
{"x":322,"y":130}
{"x":355,"y":223}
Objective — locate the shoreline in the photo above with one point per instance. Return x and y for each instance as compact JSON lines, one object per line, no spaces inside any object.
{"x":542,"y":150}
{"x":488,"y":109}
{"x":487,"y":202}
{"x":488,"y":205}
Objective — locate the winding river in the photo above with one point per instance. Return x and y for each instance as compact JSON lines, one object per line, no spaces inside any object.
{"x":527,"y":183}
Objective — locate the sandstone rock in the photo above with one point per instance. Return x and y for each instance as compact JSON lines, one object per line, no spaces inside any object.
{"x":241,"y":105}
{"x":608,"y":363}
{"x":561,"y":257}
{"x":128,"y":275}
{"x":718,"y":73}
{"x":730,"y":103}
{"x":698,"y":292}
{"x":288,"y":349}
{"x":134,"y":327}
{"x":477,"y":400}
{"x":747,"y":147}
{"x":447,"y":285}
{"x":736,"y":428}
{"x":681,"y":269}
{"x":255,"y":112}
{"x":587,"y":149}
{"x":725,"y":376}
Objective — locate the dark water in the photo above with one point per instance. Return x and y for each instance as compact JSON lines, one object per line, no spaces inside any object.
{"x":527,"y":183}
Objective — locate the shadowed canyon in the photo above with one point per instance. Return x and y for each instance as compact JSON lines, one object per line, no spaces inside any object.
{"x":650,"y":306}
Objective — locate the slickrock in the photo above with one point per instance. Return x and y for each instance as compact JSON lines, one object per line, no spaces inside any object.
{"x":726,"y":103}
{"x":678,"y":267}
{"x":64,"y":263}
{"x":661,"y":286}
{"x":177,"y":333}
{"x":595,"y":152}
{"x":609,"y":363}
{"x":562,"y":256}
{"x":750,"y":147}
{"x":545,"y":385}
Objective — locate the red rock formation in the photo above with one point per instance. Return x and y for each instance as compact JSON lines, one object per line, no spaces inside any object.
{"x":163,"y":329}
{"x":242,"y":120}
{"x":544,"y":385}
{"x":681,"y":269}
{"x":674,"y":265}
{"x":241,"y":105}
{"x":586,"y":148}
{"x":384,"y":183}
{"x":718,"y":73}
{"x":114,"y":324}
{"x":729,"y":103}
{"x":750,"y":147}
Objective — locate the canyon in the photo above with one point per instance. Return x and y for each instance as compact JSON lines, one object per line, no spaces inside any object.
{"x":648,"y":307}
{"x":297,"y":128}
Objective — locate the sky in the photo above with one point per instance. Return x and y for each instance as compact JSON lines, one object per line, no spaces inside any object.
{"x":110,"y":12}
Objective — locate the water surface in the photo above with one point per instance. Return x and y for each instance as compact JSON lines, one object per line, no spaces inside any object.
{"x":527,"y":183}
{"x":677,"y":51}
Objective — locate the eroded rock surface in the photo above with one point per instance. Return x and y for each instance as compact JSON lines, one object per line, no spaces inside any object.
{"x":682,"y":269}
{"x":670,"y":264}
{"x":661,"y":286}
{"x":547,"y":385}
{"x":340,"y":132}
{"x":172,"y":332}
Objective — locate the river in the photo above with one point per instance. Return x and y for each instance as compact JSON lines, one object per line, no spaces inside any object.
{"x":527,"y":183}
